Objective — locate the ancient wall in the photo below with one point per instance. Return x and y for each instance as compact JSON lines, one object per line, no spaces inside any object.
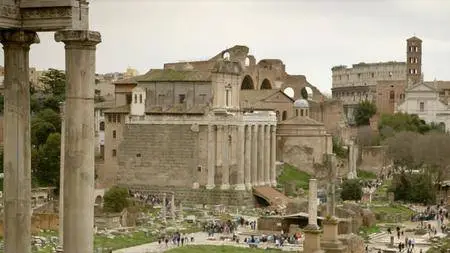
{"x":162,"y":155}
{"x":191,"y":196}
{"x":330,"y":113}
{"x":303,"y":151}
{"x":39,"y":221}
{"x":373,"y":158}
{"x":389,"y":95}
{"x":170,"y":93}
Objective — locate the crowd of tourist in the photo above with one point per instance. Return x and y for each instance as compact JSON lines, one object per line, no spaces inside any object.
{"x":176,"y":239}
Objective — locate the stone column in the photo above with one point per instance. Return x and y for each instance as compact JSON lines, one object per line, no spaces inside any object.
{"x":254,"y":163}
{"x":61,"y":177}
{"x":261,"y":157}
{"x":267,"y":163}
{"x":352,"y":157}
{"x":233,"y":146}
{"x":248,"y":157}
{"x":312,"y":230}
{"x":240,"y":152}
{"x":172,"y":206}
{"x":80,"y":139}
{"x":273,"y":156}
{"x":219,"y":154}
{"x":164,"y":207}
{"x":211,"y":153}
{"x":17,"y":144}
{"x":226,"y":160}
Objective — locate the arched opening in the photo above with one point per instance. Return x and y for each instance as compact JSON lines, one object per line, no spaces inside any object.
{"x":140,"y":98}
{"x":226,"y":56}
{"x":278,"y":115}
{"x":247,"y":62}
{"x":284,"y":117}
{"x":442,"y":126}
{"x":98,"y":200}
{"x":306,"y":93}
{"x":266,"y":85}
{"x":289,"y":91}
{"x":102,"y":126}
{"x":247,"y":83}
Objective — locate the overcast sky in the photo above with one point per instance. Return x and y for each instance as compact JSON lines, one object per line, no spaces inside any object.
{"x":308,"y":36}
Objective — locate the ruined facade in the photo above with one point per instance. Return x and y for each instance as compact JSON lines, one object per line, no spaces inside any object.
{"x":208,"y":124}
{"x":382,"y":83}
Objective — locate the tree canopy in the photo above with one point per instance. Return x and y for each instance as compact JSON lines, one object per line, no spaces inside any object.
{"x":115,"y":199}
{"x":363,"y":112}
{"x":351,"y":190}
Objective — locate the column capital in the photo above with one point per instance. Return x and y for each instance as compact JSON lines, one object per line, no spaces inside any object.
{"x":18,"y":38}
{"x":79,"y":38}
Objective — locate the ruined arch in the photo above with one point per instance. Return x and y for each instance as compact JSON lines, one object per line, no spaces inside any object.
{"x":290,"y":92}
{"x":266,"y":85}
{"x":306,"y":93}
{"x":247,"y":83}
{"x":226,"y":56}
{"x":98,"y":200}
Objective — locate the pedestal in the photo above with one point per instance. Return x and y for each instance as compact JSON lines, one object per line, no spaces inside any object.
{"x":330,"y":242}
{"x":311,"y":244}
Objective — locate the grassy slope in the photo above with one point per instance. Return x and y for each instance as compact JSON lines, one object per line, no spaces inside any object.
{"x":292,"y":174}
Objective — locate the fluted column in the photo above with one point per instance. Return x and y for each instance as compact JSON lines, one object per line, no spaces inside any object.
{"x":80,"y":139}
{"x":254,"y":163}
{"x":211,"y":155}
{"x":248,"y":157}
{"x":226,"y":159}
{"x":17,"y":144}
{"x":273,"y":156}
{"x":240,"y":151}
{"x":261,"y":159}
{"x":267,"y":163}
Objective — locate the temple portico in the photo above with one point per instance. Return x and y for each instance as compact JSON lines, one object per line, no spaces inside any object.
{"x":248,"y":173}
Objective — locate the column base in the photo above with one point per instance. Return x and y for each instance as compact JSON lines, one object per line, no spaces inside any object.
{"x":225,"y":187}
{"x":240,"y":187}
{"x":268,"y":183}
{"x":274,"y":183}
{"x":312,"y":240}
{"x":248,"y":186}
{"x":210,"y":187}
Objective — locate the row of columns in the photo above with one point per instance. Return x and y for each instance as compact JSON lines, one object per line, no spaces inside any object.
{"x":79,"y":139}
{"x":250,"y":149}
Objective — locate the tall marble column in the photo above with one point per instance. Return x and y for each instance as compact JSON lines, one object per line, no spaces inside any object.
{"x":312,"y":230}
{"x":273,"y":156}
{"x":247,"y":162}
{"x":226,"y":159}
{"x":240,"y":151}
{"x":261,"y":155}
{"x":61,"y":178}
{"x":211,"y":154}
{"x":267,"y":163}
{"x":17,"y":144}
{"x":80,"y":139}
{"x":254,"y":162}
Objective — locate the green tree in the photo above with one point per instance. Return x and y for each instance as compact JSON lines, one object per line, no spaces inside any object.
{"x":40,"y":130}
{"x":50,"y":116}
{"x":116,"y":199}
{"x":351,"y":190}
{"x":338,"y":148}
{"x":413,"y":187}
{"x":54,"y":82}
{"x":47,"y":171}
{"x":399,"y":122}
{"x":364,"y":111}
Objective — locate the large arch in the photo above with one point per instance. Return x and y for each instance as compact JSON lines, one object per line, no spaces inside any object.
{"x":266,"y":85}
{"x":247,"y":83}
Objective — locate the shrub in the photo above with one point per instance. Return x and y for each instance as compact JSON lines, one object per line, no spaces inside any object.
{"x":116,"y":199}
{"x":351,"y":190}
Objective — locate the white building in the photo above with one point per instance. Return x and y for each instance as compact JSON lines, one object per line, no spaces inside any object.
{"x":424,"y":100}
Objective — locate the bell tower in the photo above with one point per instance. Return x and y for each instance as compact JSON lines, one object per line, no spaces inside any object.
{"x":413,"y":61}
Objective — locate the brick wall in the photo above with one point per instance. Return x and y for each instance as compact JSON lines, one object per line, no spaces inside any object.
{"x":372,"y":158}
{"x":162,"y":155}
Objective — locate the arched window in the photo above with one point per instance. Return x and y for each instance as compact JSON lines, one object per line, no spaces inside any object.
{"x":301,"y":112}
{"x":102,"y":126}
{"x":247,"y":83}
{"x":140,"y":98}
{"x":296,"y":112}
{"x":278,"y":115}
{"x":392,"y":95}
{"x":135,"y":98}
{"x":284,"y":117}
